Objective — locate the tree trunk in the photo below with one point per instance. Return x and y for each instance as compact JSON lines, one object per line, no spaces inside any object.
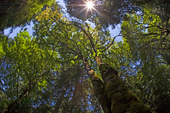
{"x":113,"y":95}
{"x":57,"y":105}
{"x":74,"y":96}
{"x":98,"y":88}
{"x":121,"y":98}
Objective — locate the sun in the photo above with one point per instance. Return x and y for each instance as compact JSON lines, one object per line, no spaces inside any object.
{"x":89,"y":4}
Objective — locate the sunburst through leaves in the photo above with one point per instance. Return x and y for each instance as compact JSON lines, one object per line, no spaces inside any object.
{"x":89,"y":4}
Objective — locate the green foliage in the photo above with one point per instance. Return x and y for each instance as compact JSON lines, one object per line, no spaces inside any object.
{"x":19,"y":12}
{"x":68,"y":38}
{"x":148,"y":44}
{"x":47,"y":65}
{"x":159,"y":7}
{"x":23,"y":64}
{"x":46,"y":72}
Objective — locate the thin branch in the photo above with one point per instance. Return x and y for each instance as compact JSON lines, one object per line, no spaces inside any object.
{"x":111,"y":43}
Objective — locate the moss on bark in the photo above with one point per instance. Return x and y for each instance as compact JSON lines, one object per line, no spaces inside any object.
{"x":121,"y":98}
{"x":98,"y":88}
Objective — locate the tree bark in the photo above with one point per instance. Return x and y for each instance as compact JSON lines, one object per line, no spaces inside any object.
{"x":98,"y":88}
{"x":121,"y":98}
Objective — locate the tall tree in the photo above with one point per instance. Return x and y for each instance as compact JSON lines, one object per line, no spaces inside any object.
{"x":47,"y":72}
{"x":67,"y":40}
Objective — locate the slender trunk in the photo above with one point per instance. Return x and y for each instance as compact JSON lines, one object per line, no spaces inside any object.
{"x":98,"y":88}
{"x":57,"y":105}
{"x":74,"y":95}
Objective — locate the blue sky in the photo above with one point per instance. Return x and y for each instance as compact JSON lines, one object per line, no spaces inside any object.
{"x":29,"y":27}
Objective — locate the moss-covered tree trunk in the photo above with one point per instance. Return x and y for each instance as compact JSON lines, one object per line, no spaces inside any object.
{"x":121,"y":98}
{"x":98,"y":88}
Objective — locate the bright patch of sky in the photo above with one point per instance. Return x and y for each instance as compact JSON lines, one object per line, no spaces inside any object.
{"x":17,"y":30}
{"x":114,"y":32}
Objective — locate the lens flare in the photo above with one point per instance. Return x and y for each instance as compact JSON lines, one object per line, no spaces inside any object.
{"x":89,"y":4}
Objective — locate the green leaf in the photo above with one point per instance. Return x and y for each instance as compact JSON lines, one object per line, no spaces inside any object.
{"x":72,"y":62}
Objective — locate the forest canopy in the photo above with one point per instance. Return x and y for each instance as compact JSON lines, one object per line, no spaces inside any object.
{"x":75,"y":66}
